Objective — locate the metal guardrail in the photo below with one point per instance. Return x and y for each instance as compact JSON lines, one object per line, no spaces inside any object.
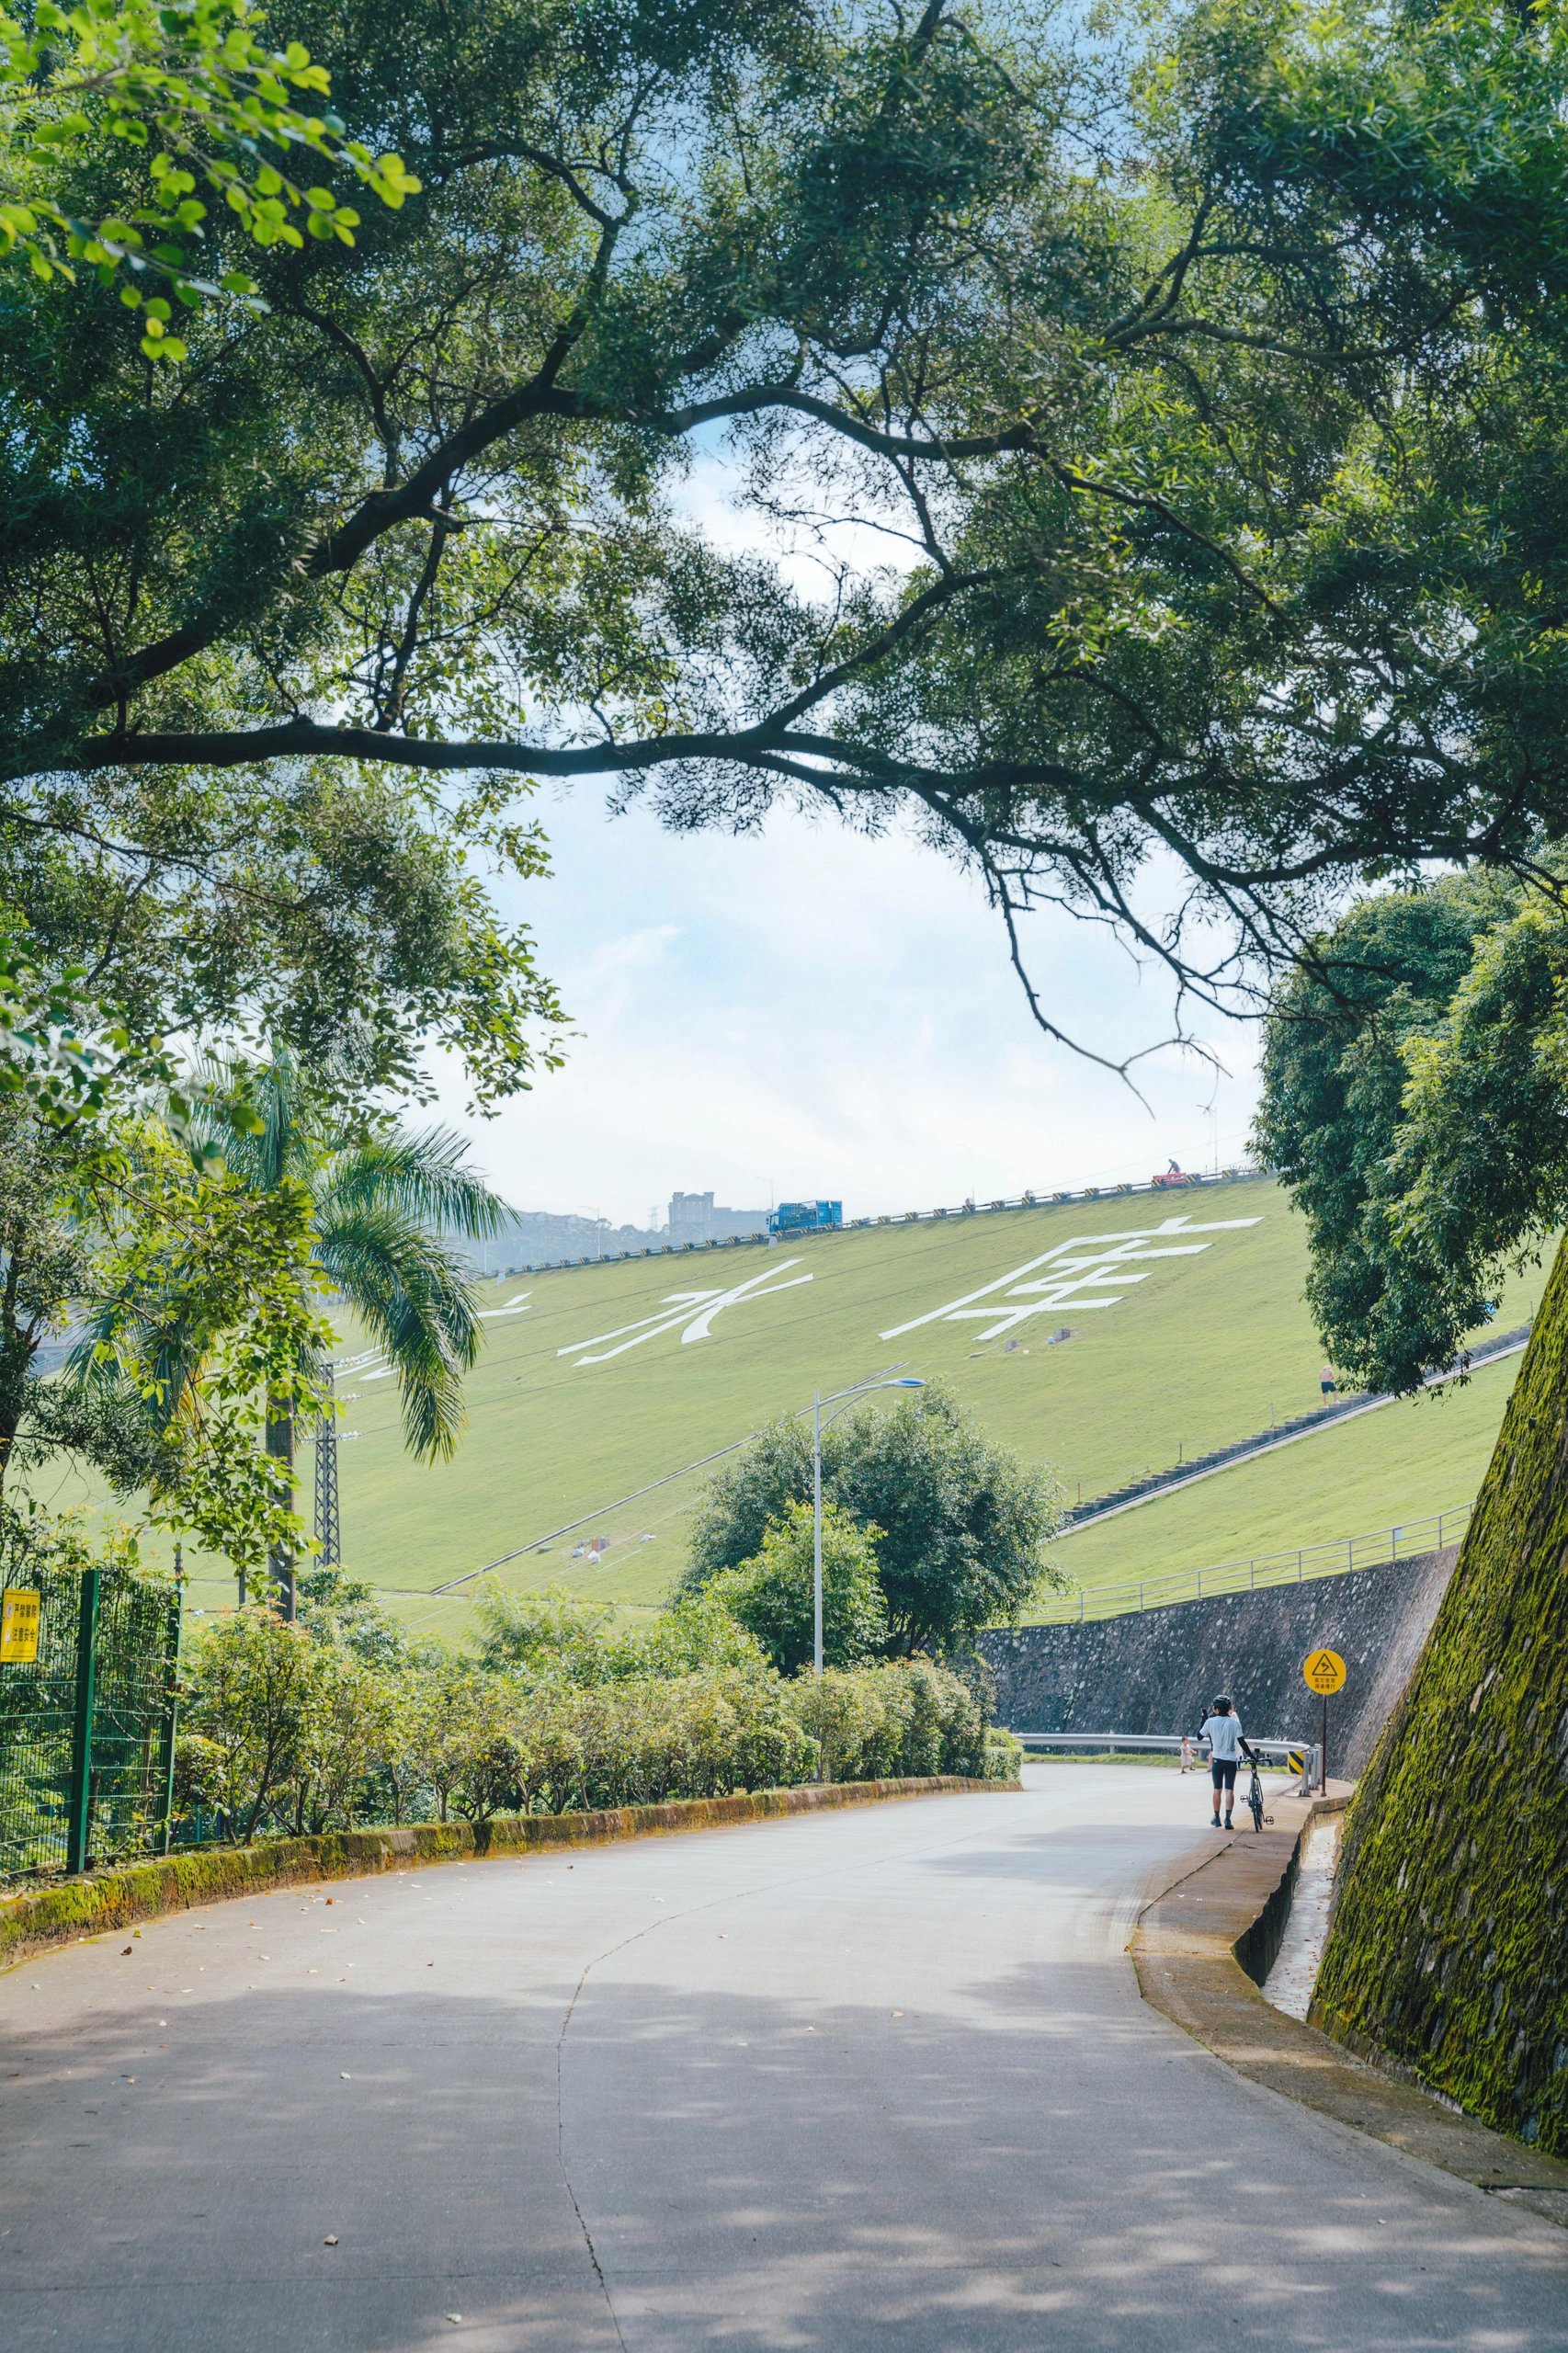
{"x":1181,"y":1183}
{"x":1276,"y":1752}
{"x":1223,"y":1458}
{"x":1405,"y":1542}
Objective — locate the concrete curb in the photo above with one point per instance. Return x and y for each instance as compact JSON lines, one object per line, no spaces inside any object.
{"x":74,"y":1909}
{"x":1202,"y":1947}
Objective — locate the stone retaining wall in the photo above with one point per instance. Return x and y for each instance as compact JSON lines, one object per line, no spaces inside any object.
{"x":1156,"y":1670}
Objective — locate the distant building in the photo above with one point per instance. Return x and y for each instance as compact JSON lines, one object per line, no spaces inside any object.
{"x":542,"y":1237}
{"x":694,"y":1217}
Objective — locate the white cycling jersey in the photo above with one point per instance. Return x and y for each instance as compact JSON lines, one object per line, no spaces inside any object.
{"x":1223,"y":1735}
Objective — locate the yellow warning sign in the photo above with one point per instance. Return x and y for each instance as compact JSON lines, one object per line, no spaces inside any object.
{"x":1323,"y":1672}
{"x":18,"y":1627}
{"x":1295,"y":1760}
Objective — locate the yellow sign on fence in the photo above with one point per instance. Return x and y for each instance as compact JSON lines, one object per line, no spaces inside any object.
{"x":1295,"y":1760}
{"x":20,"y":1615}
{"x":1323,"y":1672}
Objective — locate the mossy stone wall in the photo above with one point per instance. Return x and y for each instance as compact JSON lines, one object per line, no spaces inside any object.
{"x":1448,"y":1949}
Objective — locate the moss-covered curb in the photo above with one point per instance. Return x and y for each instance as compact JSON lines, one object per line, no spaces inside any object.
{"x":84,"y":1907}
{"x":1195,"y":1951}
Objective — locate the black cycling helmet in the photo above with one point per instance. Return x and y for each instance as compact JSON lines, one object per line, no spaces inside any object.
{"x":1221,"y":1706}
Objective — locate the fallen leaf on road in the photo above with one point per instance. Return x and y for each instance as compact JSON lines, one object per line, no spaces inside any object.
{"x":454,"y":2316}
{"x":127,"y":1953}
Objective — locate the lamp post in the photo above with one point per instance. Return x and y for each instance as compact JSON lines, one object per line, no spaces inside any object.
{"x":840,"y":1398}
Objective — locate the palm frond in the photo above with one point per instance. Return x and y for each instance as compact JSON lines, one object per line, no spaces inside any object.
{"x":274,"y":1093}
{"x":411,"y":1293}
{"x":422,"y":1173}
{"x":158,"y":1344}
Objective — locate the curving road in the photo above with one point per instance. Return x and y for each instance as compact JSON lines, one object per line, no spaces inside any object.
{"x":873,"y":2079}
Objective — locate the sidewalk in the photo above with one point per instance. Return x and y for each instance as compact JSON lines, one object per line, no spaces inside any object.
{"x":1194,"y":1949}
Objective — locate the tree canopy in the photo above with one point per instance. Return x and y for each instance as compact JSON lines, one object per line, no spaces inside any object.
{"x":774,"y":1595}
{"x":958,"y":1524}
{"x":1193,"y":375}
{"x":1416,"y":1100}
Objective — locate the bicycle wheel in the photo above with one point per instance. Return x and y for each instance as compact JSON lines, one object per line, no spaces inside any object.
{"x":1255,"y":1800}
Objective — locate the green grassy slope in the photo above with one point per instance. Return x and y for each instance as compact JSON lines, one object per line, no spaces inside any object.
{"x":1406,"y":1461}
{"x":1198,"y":1350}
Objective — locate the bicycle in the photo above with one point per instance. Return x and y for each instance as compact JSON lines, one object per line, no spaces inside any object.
{"x":1254,"y":1797}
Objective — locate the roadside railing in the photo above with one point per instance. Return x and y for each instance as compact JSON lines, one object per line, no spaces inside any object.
{"x":1179,"y":1181}
{"x":1300,"y":1758}
{"x":1162,"y":1590}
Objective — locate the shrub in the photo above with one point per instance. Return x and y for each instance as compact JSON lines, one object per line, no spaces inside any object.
{"x":774,"y":1595}
{"x":579,"y":1641}
{"x":551,"y":1629}
{"x":648,"y":1739}
{"x":889,"y":1721}
{"x":256,"y":1686}
{"x":289,"y":1732}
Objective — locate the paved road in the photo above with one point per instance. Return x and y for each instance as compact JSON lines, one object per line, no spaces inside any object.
{"x":877,"y":2079}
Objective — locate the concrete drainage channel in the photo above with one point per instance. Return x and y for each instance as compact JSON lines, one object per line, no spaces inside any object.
{"x":1289,"y":1983}
{"x":1205,"y":1947}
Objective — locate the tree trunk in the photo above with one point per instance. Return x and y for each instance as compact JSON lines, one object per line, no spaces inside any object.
{"x":281,"y":1448}
{"x":16,"y":1350}
{"x":1449,"y":1949}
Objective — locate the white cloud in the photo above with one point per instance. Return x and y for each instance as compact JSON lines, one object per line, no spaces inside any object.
{"x":808,"y":1011}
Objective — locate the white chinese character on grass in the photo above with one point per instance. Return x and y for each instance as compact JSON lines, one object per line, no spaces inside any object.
{"x":699,"y":1326}
{"x":1082,"y":1266}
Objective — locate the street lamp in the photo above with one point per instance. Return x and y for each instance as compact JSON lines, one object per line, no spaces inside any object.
{"x":840,"y":1397}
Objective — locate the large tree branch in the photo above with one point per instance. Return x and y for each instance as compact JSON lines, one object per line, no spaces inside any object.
{"x":307,"y":739}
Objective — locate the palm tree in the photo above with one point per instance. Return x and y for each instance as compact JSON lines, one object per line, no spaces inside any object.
{"x":383,"y":1201}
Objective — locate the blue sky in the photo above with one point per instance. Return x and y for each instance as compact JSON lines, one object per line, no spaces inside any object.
{"x":805,"y":1012}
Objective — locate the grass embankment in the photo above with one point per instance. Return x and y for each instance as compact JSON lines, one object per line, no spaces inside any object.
{"x":1198,"y":1351}
{"x":1403,"y":1461}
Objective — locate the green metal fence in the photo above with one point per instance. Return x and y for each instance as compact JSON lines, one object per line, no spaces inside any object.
{"x":88,"y":1724}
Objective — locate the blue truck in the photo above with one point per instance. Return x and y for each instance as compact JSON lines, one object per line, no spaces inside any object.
{"x":806,"y":1217}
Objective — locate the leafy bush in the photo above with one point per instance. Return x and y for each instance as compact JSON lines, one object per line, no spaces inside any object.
{"x":553,"y":1633}
{"x":884,"y":1723}
{"x":773,"y":1596}
{"x":286,"y":1731}
{"x":258,"y":1683}
{"x":649,"y":1738}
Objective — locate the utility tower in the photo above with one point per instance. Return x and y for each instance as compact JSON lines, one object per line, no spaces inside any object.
{"x":328,"y":1535}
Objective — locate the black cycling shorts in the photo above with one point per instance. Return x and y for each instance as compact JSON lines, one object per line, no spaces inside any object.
{"x":1223,"y":1772}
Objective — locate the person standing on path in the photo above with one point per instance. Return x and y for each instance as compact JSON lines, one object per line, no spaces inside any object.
{"x":1222,"y":1728}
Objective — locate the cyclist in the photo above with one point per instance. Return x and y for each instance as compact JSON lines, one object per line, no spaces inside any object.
{"x":1221,"y":1729}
